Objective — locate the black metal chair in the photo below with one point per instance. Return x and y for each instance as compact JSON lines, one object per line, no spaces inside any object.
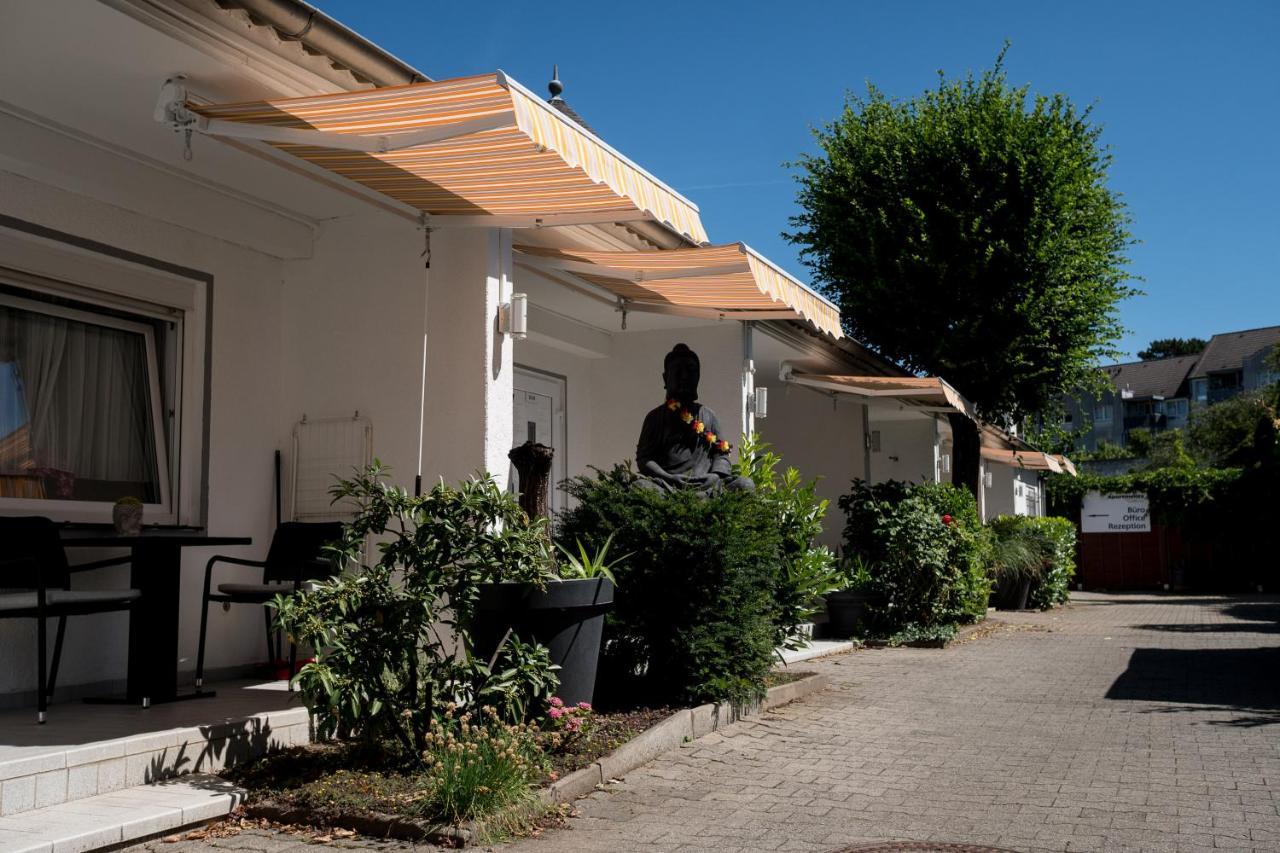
{"x":35,"y":583}
{"x":295,"y":556}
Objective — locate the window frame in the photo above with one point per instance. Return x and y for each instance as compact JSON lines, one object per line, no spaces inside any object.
{"x":166,"y":440}
{"x":1102,"y":407}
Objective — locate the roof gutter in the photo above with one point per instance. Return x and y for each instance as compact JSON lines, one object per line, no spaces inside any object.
{"x":296,"y":20}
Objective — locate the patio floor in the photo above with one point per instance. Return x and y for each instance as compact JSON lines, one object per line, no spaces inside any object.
{"x":74,"y":723}
{"x":89,"y":757}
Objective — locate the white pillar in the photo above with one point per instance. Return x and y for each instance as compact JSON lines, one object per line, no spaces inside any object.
{"x":467,"y":425}
{"x":748,"y":381}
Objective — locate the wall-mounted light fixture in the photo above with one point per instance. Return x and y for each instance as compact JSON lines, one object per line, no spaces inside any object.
{"x":944,"y":462}
{"x":987,"y":479}
{"x":760,"y":403}
{"x":513,"y":317}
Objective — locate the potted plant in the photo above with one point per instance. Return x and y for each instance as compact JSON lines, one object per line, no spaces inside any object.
{"x":566,"y":615}
{"x":847,"y":608}
{"x":1016,"y":564}
{"x":126,"y":516}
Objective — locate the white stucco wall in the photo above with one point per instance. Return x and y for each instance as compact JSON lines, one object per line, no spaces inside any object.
{"x":246,"y":386}
{"x":1001,"y":494}
{"x":817,"y":436}
{"x":352,"y":326}
{"x":906,"y":449}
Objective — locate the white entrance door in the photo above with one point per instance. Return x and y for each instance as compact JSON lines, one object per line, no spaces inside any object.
{"x":538,"y":401}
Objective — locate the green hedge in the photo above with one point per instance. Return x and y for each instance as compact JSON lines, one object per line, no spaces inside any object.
{"x":1174,"y":492}
{"x":1223,"y":516}
{"x":926,"y":551}
{"x":694,"y":618}
{"x":1054,"y":539}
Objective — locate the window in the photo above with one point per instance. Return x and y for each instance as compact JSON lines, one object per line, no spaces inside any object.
{"x":1200,"y":390}
{"x":1102,"y":413}
{"x":82,"y":413}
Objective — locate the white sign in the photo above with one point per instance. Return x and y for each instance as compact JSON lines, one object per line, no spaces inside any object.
{"x":1127,"y":513}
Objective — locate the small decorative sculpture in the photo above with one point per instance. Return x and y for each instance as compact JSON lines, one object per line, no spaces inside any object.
{"x":533,"y":464}
{"x":680,"y":444}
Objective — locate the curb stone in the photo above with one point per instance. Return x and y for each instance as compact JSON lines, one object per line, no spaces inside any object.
{"x":680,"y":728}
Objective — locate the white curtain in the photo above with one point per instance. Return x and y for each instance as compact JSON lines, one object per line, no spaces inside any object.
{"x":88,"y":400}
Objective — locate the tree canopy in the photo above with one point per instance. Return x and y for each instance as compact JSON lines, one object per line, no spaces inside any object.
{"x":1172,"y":347}
{"x":970,"y":233}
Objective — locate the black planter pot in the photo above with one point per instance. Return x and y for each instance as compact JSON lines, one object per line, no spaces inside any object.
{"x":845,"y":612}
{"x":1012,"y":594}
{"x":567,"y":617}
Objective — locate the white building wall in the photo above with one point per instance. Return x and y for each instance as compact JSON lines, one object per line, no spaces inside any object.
{"x":243,"y":433}
{"x":1001,"y":495}
{"x":819,"y":436}
{"x":906,"y":450}
{"x":353,"y":320}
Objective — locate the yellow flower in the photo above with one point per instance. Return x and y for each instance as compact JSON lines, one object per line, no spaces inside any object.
{"x":686,"y":416}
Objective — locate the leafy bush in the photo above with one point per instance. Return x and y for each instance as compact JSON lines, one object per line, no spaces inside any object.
{"x":1043,"y":548}
{"x":694,"y":619}
{"x":806,"y":572}
{"x":926,"y":551}
{"x":392,"y":638}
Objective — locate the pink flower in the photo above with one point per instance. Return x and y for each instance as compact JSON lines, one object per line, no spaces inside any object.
{"x":556,"y":702}
{"x":585,"y":706}
{"x":556,"y":713}
{"x":572,"y":724}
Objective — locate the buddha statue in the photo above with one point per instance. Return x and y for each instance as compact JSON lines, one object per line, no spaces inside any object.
{"x":680,"y":444}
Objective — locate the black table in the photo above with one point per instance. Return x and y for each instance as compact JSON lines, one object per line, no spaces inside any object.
{"x":153,"y":619}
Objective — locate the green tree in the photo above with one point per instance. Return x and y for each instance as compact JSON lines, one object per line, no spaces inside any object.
{"x":1240,"y":431}
{"x":1171,"y":347}
{"x":970,"y":233}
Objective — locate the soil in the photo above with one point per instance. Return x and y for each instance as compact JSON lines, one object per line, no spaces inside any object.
{"x":338,"y":778}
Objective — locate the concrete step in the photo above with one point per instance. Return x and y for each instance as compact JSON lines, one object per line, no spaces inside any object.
{"x":40,"y":775}
{"x":817,"y":649}
{"x":127,"y":815}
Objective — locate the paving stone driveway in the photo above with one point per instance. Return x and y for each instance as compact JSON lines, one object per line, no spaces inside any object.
{"x":1121,"y":722}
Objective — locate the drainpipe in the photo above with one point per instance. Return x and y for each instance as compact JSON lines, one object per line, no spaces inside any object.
{"x":295,"y":20}
{"x":748,"y":380}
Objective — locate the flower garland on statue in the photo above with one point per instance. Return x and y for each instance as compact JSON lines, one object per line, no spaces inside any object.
{"x":716,"y":443}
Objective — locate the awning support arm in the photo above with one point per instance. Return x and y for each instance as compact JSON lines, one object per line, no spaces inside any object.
{"x":172,"y":109}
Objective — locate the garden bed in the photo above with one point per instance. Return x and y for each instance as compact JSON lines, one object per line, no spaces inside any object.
{"x":349,"y":786}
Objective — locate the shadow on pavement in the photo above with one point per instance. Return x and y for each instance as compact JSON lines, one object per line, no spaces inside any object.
{"x":1214,"y":627}
{"x":1229,"y":679}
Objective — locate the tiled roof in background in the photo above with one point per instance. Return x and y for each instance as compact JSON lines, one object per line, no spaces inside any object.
{"x":1161,"y":378}
{"x":1229,"y":350}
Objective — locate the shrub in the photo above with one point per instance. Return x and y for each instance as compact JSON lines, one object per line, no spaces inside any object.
{"x":925,"y":549}
{"x":1046,"y":548}
{"x":806,"y":572}
{"x":390,"y":653}
{"x":694,"y":619}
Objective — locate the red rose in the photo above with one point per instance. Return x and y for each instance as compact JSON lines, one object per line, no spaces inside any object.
{"x":946,"y":519}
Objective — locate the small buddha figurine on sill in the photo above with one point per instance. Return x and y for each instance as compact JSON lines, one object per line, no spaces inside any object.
{"x":680,"y":445}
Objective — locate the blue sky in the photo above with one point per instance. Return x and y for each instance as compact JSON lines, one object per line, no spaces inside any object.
{"x":714,"y":97}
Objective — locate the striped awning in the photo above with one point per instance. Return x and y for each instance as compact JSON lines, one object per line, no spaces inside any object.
{"x":731,"y":280}
{"x":1030,"y":460}
{"x":924,"y":392}
{"x":480,"y":145}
